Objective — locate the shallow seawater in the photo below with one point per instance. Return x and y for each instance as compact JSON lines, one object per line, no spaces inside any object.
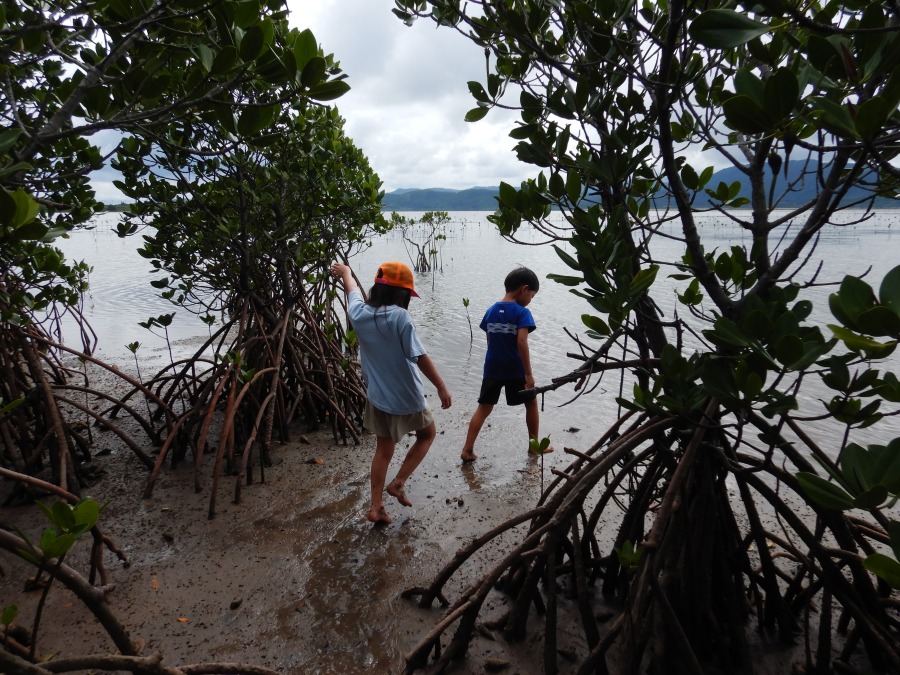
{"x":473,"y":259}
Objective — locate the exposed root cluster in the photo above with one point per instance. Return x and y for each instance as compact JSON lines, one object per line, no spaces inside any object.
{"x":687,"y":566}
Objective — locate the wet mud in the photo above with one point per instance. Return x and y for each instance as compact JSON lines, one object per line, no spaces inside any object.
{"x":293,"y":577}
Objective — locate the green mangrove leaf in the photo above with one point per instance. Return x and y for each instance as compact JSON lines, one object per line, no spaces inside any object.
{"x":894,"y":532}
{"x":689,"y":177}
{"x":14,"y":168}
{"x":856,"y":296}
{"x":206,"y":56}
{"x":565,"y":280}
{"x":802,"y":309}
{"x":12,"y":405}
{"x":642,"y":281}
{"x":824,"y":55}
{"x":477,"y":91}
{"x":9,"y":614}
{"x":246,"y":13}
{"x":854,"y":462}
{"x":305,"y":48}
{"x":782,"y":93}
{"x":18,"y":209}
{"x":879,"y":321}
{"x":744,"y":114}
{"x":58,"y":546}
{"x":834,"y":117}
{"x":563,"y":255}
{"x":725,"y":29}
{"x":328,"y":91}
{"x":889,"y":292}
{"x":252,"y":43}
{"x":747,"y":83}
{"x":226,"y":59}
{"x":86,"y":512}
{"x":62,"y":516}
{"x":8,"y":138}
{"x":789,"y":350}
{"x":885,"y":465}
{"x":871,"y":117}
{"x":727,"y":332}
{"x":860,"y":343}
{"x":595,"y":323}
{"x":313,"y":72}
{"x":884,"y":568}
{"x":823,"y":492}
{"x":476,"y":114}
{"x":872,"y":498}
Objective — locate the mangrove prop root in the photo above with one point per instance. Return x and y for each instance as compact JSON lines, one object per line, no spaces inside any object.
{"x":284,"y":365}
{"x":693,"y":585}
{"x":142,"y":665}
{"x":435,"y":590}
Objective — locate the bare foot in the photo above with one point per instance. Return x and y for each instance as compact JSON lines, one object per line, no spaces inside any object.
{"x":468,"y":456}
{"x":399,"y":493}
{"x":379,"y":515}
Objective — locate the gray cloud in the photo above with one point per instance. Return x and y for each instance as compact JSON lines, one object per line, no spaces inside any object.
{"x":407,"y":102}
{"x":409,"y":96}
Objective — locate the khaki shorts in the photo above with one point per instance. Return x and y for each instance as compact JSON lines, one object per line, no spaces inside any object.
{"x":384,"y":424}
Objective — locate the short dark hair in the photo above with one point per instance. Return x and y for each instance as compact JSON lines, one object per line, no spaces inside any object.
{"x":521,"y":276}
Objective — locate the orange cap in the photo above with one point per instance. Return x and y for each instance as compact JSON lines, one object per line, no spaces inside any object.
{"x":395,"y":273}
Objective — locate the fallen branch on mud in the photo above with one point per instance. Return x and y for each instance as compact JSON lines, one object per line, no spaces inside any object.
{"x":142,"y":665}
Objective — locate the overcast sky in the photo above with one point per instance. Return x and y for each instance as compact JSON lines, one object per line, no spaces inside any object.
{"x":409,"y":96}
{"x":407,"y":101}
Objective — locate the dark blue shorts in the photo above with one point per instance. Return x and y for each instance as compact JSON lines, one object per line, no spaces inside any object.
{"x":490,"y":391}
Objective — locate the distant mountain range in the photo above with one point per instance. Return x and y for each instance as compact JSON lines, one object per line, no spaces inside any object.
{"x":441,"y":199}
{"x":484,"y":198}
{"x":802,"y":193}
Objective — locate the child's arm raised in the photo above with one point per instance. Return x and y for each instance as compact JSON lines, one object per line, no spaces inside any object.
{"x":345,"y":274}
{"x":525,"y":355}
{"x":429,"y":370}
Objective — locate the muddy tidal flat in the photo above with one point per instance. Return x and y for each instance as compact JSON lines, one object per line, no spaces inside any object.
{"x":293,"y":577}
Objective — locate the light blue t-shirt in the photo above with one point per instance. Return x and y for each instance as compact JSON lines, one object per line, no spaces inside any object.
{"x":389,"y":349}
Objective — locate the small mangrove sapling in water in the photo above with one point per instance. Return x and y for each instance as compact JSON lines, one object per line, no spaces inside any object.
{"x":469,"y":319}
{"x":163,"y":321}
{"x":87,"y":425}
{"x":133,"y":347}
{"x":69,"y":523}
{"x":539,"y":447}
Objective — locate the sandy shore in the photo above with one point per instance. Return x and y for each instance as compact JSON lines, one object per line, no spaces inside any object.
{"x":293,"y":577}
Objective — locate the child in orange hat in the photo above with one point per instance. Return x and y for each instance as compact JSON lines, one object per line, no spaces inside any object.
{"x":392,"y":357}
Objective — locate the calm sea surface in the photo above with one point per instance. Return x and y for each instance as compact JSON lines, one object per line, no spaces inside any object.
{"x":473,"y":260}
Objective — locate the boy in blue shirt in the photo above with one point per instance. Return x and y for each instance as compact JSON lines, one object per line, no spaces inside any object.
{"x":507,"y":364}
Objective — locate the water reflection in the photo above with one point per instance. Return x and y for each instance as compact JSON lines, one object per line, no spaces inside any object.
{"x":473,"y":261}
{"x":120,"y":297}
